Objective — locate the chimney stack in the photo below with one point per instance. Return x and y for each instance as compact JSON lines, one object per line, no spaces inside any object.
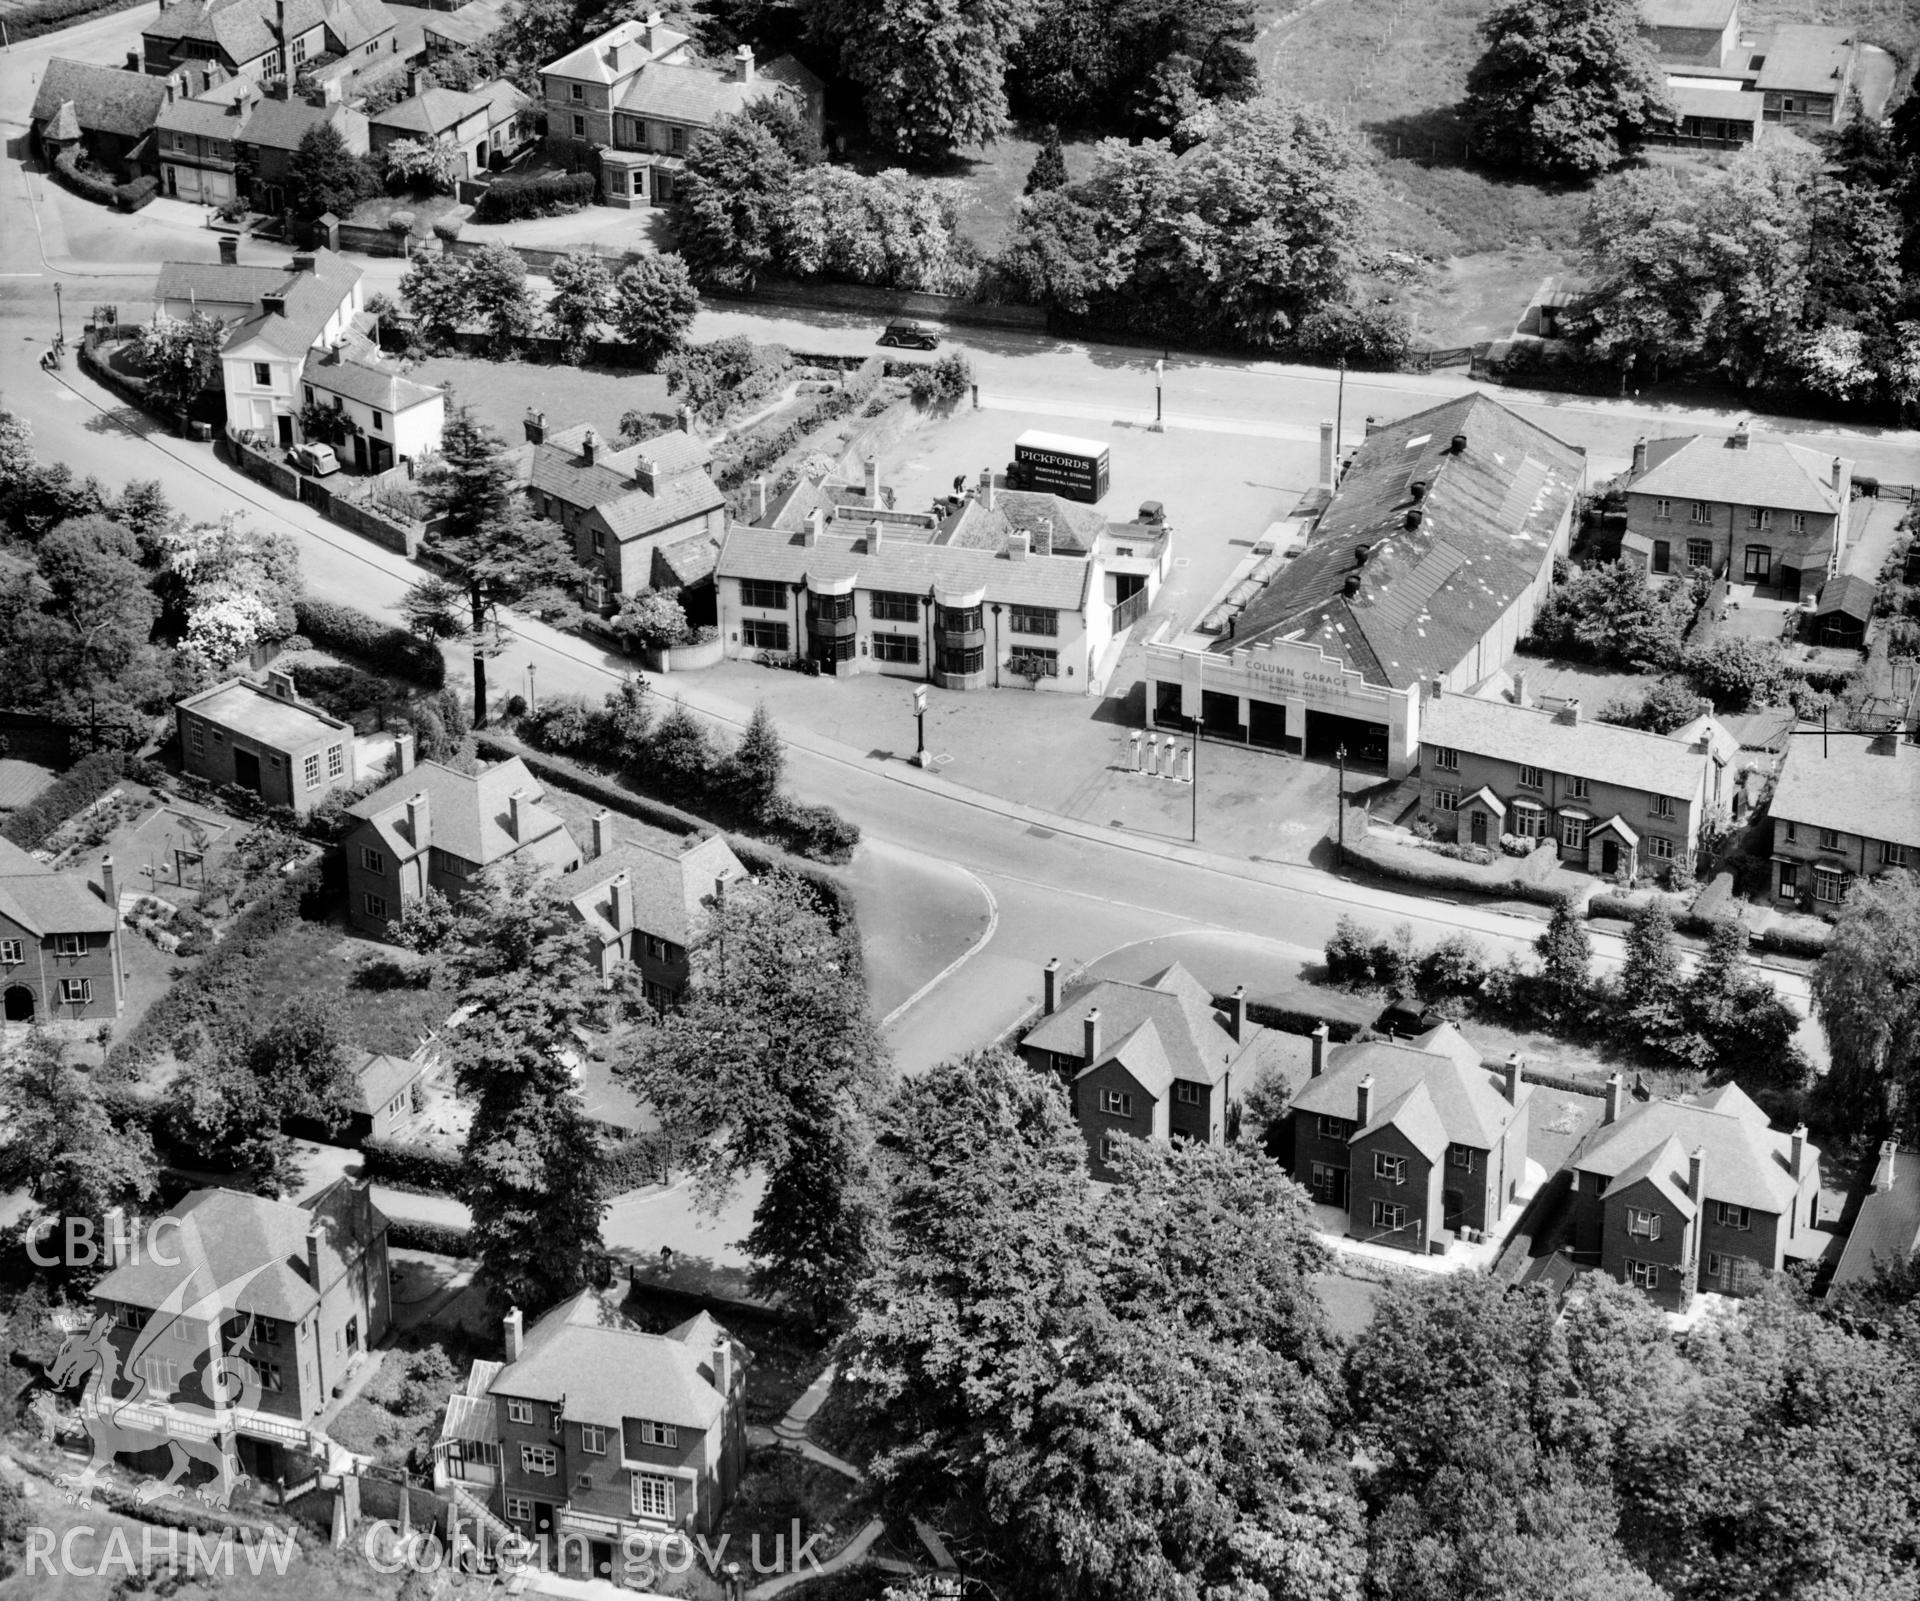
{"x":986,"y":487}
{"x":109,"y":888}
{"x":1520,"y":690}
{"x":723,"y":1367}
{"x":1510,"y":1086}
{"x":686,"y":419}
{"x":1363,"y":1102}
{"x":1043,"y":537}
{"x":1320,"y":1037}
{"x":1091,"y":1043}
{"x":517,"y":815}
{"x":535,"y":423}
{"x":589,"y":446}
{"x":1569,"y":713}
{"x":1326,"y":454}
{"x":315,"y":1237}
{"x":874,"y":536}
{"x":1697,"y":1176}
{"x":280,"y":684}
{"x":1237,"y":1013}
{"x":229,"y":250}
{"x":602,"y":833}
{"x":1639,"y":455}
{"x":1018,"y":544}
{"x":873,"y":480}
{"x":1839,"y":477}
{"x":758,"y":498}
{"x":419,"y":821}
{"x":1741,"y":438}
{"x":620,"y":897}
{"x":1883,"y":1174}
{"x":1797,"y":1151}
{"x":1050,"y":987}
{"x":1612,"y":1112}
{"x":403,"y":752}
{"x":613,"y":55}
{"x":743,"y":58}
{"x":512,"y":1330}
{"x":816,"y":526}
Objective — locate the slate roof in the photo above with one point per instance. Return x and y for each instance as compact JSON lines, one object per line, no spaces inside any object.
{"x":1848,"y":593}
{"x":1767,"y":472}
{"x":254,"y":710}
{"x":1887,"y":1226}
{"x":615,"y":483}
{"x":65,"y":127}
{"x":1424,"y":597}
{"x":1193,"y":1041}
{"x":1659,"y":764}
{"x":466,"y":813}
{"x":206,"y":119}
{"x":245,"y":30}
{"x":368,"y":382}
{"x":589,"y":64}
{"x":1465,"y":1098}
{"x":44,"y":902}
{"x":1416,"y":1116}
{"x":1746,"y":1161}
{"x":383,"y":1077}
{"x":105,"y":99}
{"x":224,"y":1235}
{"x":1060,"y":582}
{"x":431,"y":112}
{"x":666,"y":887}
{"x":1865,"y":785}
{"x":1806,"y":57}
{"x":470,"y":24}
{"x":1665,"y":1167}
{"x":685,"y":562}
{"x":310,"y":298}
{"x":276,"y":124}
{"x":604,"y":1367}
{"x":683,"y":92}
{"x":215,"y":281}
{"x":1076,"y":528}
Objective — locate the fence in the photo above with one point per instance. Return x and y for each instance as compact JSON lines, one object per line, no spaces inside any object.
{"x":883,"y":303}
{"x":1431,"y":360}
{"x":371,"y":241}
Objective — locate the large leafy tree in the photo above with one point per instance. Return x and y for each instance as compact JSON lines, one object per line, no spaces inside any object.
{"x":1566,"y":87}
{"x":1866,"y":990}
{"x":1138,"y":64}
{"x":582,"y":299}
{"x":180,"y":356}
{"x":324,"y":175}
{"x":651,"y":305}
{"x":439,"y":292}
{"x":728,"y":201}
{"x":502,"y":303}
{"x":499,"y":554}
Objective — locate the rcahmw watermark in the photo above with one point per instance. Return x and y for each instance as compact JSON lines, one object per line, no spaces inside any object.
{"x":79,"y":1552}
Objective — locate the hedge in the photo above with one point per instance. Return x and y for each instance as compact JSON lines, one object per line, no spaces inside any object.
{"x":354,"y":633}
{"x":1442,"y":877}
{"x":67,"y":172}
{"x":642,"y":1159}
{"x":745,"y":458}
{"x":548,"y":193}
{"x":1284,"y":1020}
{"x":132,"y":196}
{"x":1559,"y":1081}
{"x":1606,"y":904}
{"x":421,"y":1167}
{"x":440,"y":1238}
{"x":1793,"y":942}
{"x":84,"y":782}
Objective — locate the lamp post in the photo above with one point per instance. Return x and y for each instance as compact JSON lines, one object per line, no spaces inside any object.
{"x":1340,"y":816}
{"x":1339,"y":415}
{"x":1159,"y":378}
{"x":60,"y":311}
{"x":1193,"y":826}
{"x":920,"y":757}
{"x":734,"y":1585}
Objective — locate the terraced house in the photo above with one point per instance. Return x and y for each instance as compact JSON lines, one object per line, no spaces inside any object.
{"x":1846,"y":806}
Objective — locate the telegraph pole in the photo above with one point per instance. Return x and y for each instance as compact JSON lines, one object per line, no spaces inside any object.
{"x":1341,"y":816}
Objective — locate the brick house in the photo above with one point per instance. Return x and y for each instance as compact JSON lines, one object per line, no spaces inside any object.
{"x":1846,"y":806}
{"x":270,"y":137}
{"x":647,"y":903}
{"x":266,"y":39}
{"x":435,"y":828}
{"x":1415,"y":1140}
{"x":59,"y":942}
{"x":1616,"y":801}
{"x":1886,"y":1228}
{"x":263,"y":737}
{"x":384,"y":1087}
{"x":593,"y":1431}
{"x":112,"y":110}
{"x":1153,"y":1061}
{"x":483,"y":128}
{"x":644,"y":516}
{"x":311,"y":1278}
{"x":1750,"y":510}
{"x":1675,"y":1196}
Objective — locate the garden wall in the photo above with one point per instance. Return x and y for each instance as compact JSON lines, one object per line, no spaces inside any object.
{"x":401,"y":538}
{"x":369,"y":241}
{"x":885,"y":303}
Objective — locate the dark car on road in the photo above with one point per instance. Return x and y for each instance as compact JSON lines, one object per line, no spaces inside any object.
{"x":910,"y":335}
{"x":1405,"y":1019}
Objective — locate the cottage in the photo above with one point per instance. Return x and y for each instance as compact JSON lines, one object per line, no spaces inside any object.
{"x":59,"y":942}
{"x":106,"y":112}
{"x":386,"y":419}
{"x":1847,"y":806}
{"x":482,"y":129}
{"x":263,"y":737}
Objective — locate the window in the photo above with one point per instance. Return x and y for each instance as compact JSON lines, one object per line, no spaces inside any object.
{"x":197,"y":736}
{"x":593,"y":1439}
{"x":677,"y":139}
{"x":1033,"y":620}
{"x":1759,"y":566}
{"x":379,"y":422}
{"x":1573,"y":833}
{"x":832,"y":608}
{"x":1660,"y":848}
{"x":539,"y":1459}
{"x":1446,"y":800}
{"x":652,"y":1496}
{"x":1829,"y":839}
{"x":131,"y":1317}
{"x":896,"y":648}
{"x":1389,"y":1169}
{"x":1116,"y":1103}
{"x":12,"y":952}
{"x":599,"y":541}
{"x":652,"y":1433}
{"x":1789,"y":879}
{"x":163,"y":1373}
{"x":768,"y":594}
{"x":1532,"y":778}
{"x":1333,"y":1128}
{"x":309,"y":389}
{"x":375,"y":907}
{"x":299,"y":51}
{"x":336,"y":760}
{"x":1730,"y":1216}
{"x":1701,"y":513}
{"x":1643,"y":1225}
{"x":1662,"y":806}
{"x":1892,"y":855}
{"x":373,"y":861}
{"x":959,"y":619}
{"x":576,"y":91}
{"x":1038,"y":663}
{"x":1447,"y":760}
{"x":1699,"y":553}
{"x":1111,"y":1145}
{"x":1461,"y":1156}
{"x":958,"y":659}
{"x":1662,"y":556}
{"x":310,"y":770}
{"x":183,"y":1331}
{"x":1646,"y":1275}
{"x":1190,"y":1094}
{"x":520,"y":1508}
{"x":519,"y":1411}
{"x":760,"y":635}
{"x":579,"y":125}
{"x":270,"y":1380}
{"x":1799,"y":522}
{"x":1759,"y":517}
{"x":1577,"y":789}
{"x":1389,"y":1215}
{"x":1828,"y":885}
{"x":1786,"y":102}
{"x":263,"y":375}
{"x":1663,"y":509}
{"x":70,"y":945}
{"x":1325,"y":1181}
{"x":1529,"y":822}
{"x":891,"y":607}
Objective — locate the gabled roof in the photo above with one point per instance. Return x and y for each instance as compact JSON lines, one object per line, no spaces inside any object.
{"x":667,"y":888}
{"x":1692,"y":15}
{"x":1848,"y":594}
{"x":1196,"y":1044}
{"x":588,"y":1355}
{"x":1659,"y":764}
{"x":105,"y":99}
{"x":44,"y":902}
{"x":383,"y":1077}
{"x":1887,"y":1226}
{"x":1855,"y":783}
{"x":1807,"y":57}
{"x":1422,"y":598}
{"x":1144,"y":1057}
{"x":245,"y":30}
{"x":1664,"y":1166}
{"x":1465,"y":1097}
{"x":635,"y":42}
{"x":467,"y":813}
{"x":1059,"y":582}
{"x":1766,"y":472}
{"x":638,"y":490}
{"x":685,"y":562}
{"x":1414,"y":1115}
{"x":221,"y":118}
{"x":430,"y":113}
{"x":473,"y":22}
{"x":224,"y":1235}
{"x":276,"y":124}
{"x":369,"y":381}
{"x":1746,"y":1161}
{"x":216,"y":282}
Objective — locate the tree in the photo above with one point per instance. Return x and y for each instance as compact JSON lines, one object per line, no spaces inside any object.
{"x":1651,"y":983}
{"x":812,"y":1237}
{"x":323,"y":175}
{"x":933,"y":70}
{"x":653,"y":305}
{"x":582,"y":300}
{"x":439,"y":292}
{"x":1668,"y":705}
{"x":785,"y":118}
{"x":1737,"y":672}
{"x":305,"y":1063}
{"x":626,"y":717}
{"x":1264,"y":1100}
{"x":497,"y":283}
{"x":181,"y":356}
{"x":679,"y":755}
{"x":653,"y":619}
{"x":1566,"y":961}
{"x":1566,"y":88}
{"x":1866,"y":989}
{"x":499,"y":555}
{"x":758,"y":765}
{"x":1141,"y":65}
{"x":420,"y":166}
{"x":728,"y":200}
{"x":1739,"y":1029}
{"x":428,"y":924}
{"x":1049,"y":170}
{"x":226,"y":587}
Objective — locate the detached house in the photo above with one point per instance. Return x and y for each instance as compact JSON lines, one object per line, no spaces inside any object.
{"x":647,"y":904}
{"x":1847,"y":806}
{"x":435,"y":828}
{"x":1750,"y":510}
{"x":263,"y":737}
{"x":1886,"y":1229}
{"x":107,"y":111}
{"x":1152,"y":1061}
{"x":483,"y":129}
{"x":592,"y":1432}
{"x":59,"y":942}
{"x":1415,"y":1140}
{"x":1675,"y":1196}
{"x":390,"y":420}
{"x":267,"y":39}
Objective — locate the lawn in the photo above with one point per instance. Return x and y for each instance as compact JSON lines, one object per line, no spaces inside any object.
{"x":426,"y":212}
{"x":501,"y":393}
{"x":1349,"y":1303}
{"x":781,"y":1489}
{"x":397,"y":1415}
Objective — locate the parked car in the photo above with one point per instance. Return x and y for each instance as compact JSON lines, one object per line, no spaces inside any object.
{"x":1403,"y":1020}
{"x":910,"y":335}
{"x":317,"y":460}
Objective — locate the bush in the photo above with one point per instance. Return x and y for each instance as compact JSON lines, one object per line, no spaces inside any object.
{"x":439,"y":1238}
{"x":808,"y":830}
{"x":1790,"y":941}
{"x":132,"y":196}
{"x":1432,"y":872}
{"x":564,"y":723}
{"x":752,"y":453}
{"x":1605,"y":905}
{"x":1456,"y":966}
{"x":942,"y":382}
{"x":417,"y":1167}
{"x":83,"y":783}
{"x":68,"y":172}
{"x":385,"y":649}
{"x":544,"y":194}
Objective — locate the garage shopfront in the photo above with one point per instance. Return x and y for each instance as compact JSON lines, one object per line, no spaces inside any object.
{"x":1285,"y":696}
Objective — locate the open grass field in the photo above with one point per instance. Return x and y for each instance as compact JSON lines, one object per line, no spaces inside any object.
{"x":324,"y":960}
{"x":501,"y":392}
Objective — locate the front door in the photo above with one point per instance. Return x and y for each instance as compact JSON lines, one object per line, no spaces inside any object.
{"x":19,"y":1004}
{"x":359,"y":453}
{"x":284,"y":423}
{"x":1759,"y":564}
{"x":246,"y":770}
{"x":1478,"y":827}
{"x":1609,"y":857}
{"x":353,"y":1333}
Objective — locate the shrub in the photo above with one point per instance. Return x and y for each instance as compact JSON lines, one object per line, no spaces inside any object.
{"x":816,"y":831}
{"x":386,"y":649}
{"x":544,"y":194}
{"x":1456,"y":966}
{"x":132,"y":196}
{"x":566,"y":724}
{"x":83,"y":783}
{"x":941,"y":382}
{"x":1349,"y":952}
{"x":439,"y":1238}
{"x":1791,"y":941}
{"x":1605,"y":905}
{"x":70,"y":174}
{"x":418,"y":1167}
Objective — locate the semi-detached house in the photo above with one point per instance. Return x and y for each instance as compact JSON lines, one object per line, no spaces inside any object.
{"x":1847,"y":806}
{"x":59,"y":942}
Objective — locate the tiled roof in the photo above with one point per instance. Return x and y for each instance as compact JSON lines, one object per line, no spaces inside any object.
{"x":1144,"y":1056}
{"x":311,"y":299}
{"x":1414,"y":1114}
{"x":674,"y":500}
{"x":604,"y":1367}
{"x":105,"y":99}
{"x":254,"y":710}
{"x":65,"y":127}
{"x":224,"y":1235}
{"x":503,"y":99}
{"x":667,"y":887}
{"x":383,"y":1077}
{"x":467,"y":813}
{"x":1856,"y":783}
{"x":431,"y":112}
{"x":369,"y":383}
{"x":209,"y":119}
{"x":686,"y":562}
{"x":1806,"y":57}
{"x":1466,"y":1098}
{"x":1887,"y":1226}
{"x":1848,"y":593}
{"x":276,"y":124}
{"x":1423,"y":598}
{"x":44,"y":902}
{"x":1060,"y":582}
{"x":1746,"y":1161}
{"x":1766,"y":472}
{"x":470,"y":24}
{"x":245,"y":30}
{"x":1659,"y":764}
{"x":1665,"y":1167}
{"x":589,"y":62}
{"x":616,"y":482}
{"x":682,"y":92}
{"x":214,"y":281}
{"x":1196,"y":1044}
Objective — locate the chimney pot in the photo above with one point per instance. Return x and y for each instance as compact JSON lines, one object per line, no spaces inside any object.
{"x":744,"y":57}
{"x":1740,"y":438}
{"x":403,"y":752}
{"x":1091,"y":1042}
{"x":1570,"y":712}
{"x":513,"y":1330}
{"x":1697,"y":1175}
{"x":1018,"y":545}
{"x":602,"y":832}
{"x":589,"y":446}
{"x":1511,"y":1084}
{"x":1612,"y":1113}
{"x":419,"y":820}
{"x":1839,"y":477}
{"x":1363,"y":1102}
{"x":1237,"y":1013}
{"x":1459,"y":446}
{"x":535,"y":424}
{"x":1320,"y":1037}
{"x":1050,"y":987}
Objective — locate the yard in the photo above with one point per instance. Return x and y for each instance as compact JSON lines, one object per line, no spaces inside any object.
{"x":502,"y":393}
